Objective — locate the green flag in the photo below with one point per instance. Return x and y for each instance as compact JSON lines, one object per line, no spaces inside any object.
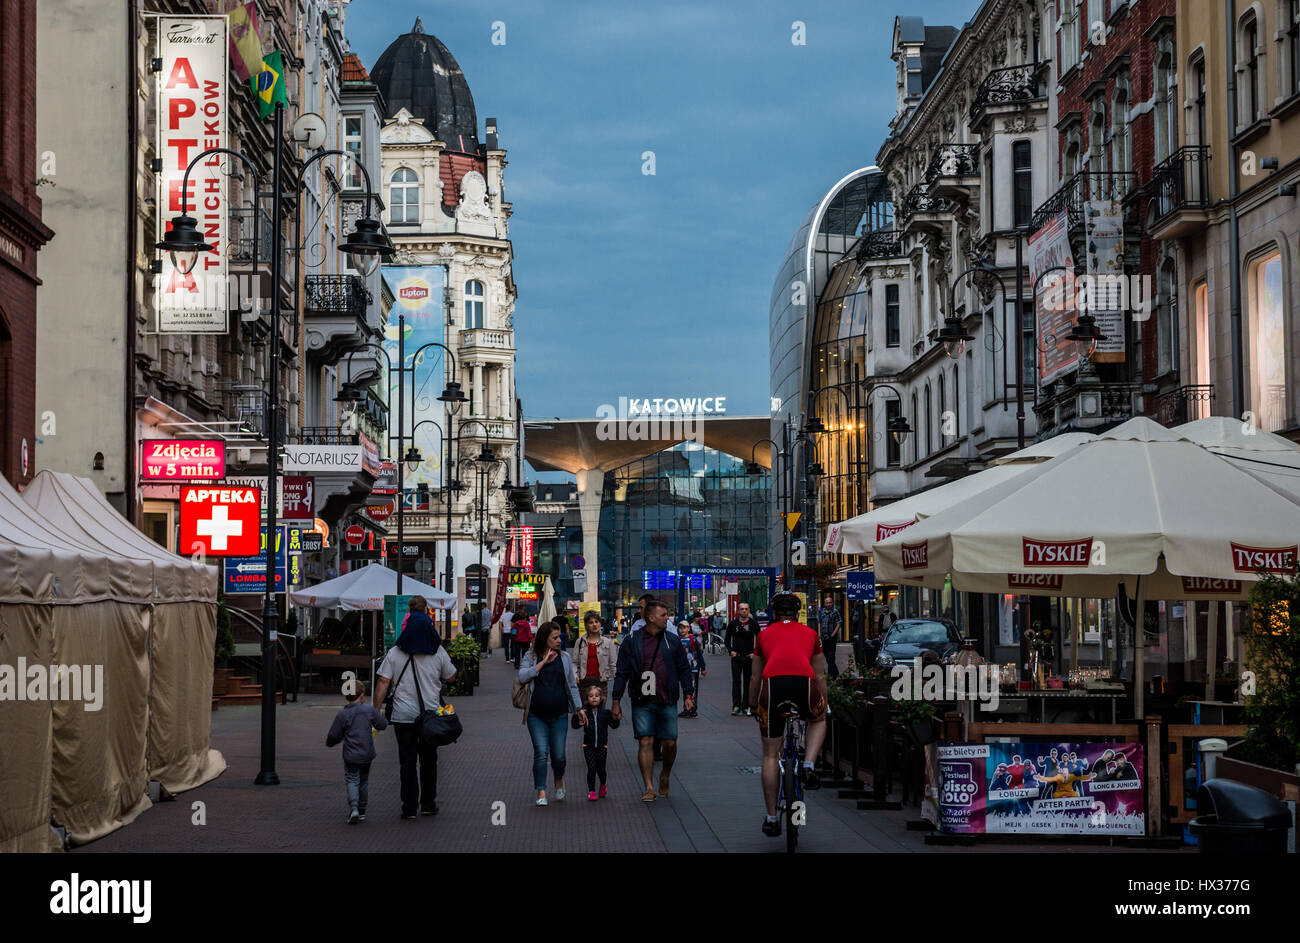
{"x":268,"y":85}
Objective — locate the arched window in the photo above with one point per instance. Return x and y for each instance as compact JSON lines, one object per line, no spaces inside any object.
{"x":1119,"y":149}
{"x":1248,"y":57}
{"x":929,"y":422}
{"x":404,"y":196}
{"x":473,"y":304}
{"x":943,"y":414}
{"x":956,"y":403}
{"x":1267,"y":342}
{"x":1196,"y":122}
{"x":1097,"y":137}
{"x":1165,"y":126}
{"x":916,"y":427}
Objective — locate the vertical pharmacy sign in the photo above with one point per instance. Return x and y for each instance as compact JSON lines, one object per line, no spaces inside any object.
{"x":191,"y":118}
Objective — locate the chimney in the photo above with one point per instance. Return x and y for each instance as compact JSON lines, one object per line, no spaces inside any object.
{"x":492,"y":134}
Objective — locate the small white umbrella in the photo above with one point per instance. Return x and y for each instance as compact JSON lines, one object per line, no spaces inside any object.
{"x":1268,"y":457}
{"x":365,"y":588}
{"x":860,"y":534}
{"x":547,"y":611}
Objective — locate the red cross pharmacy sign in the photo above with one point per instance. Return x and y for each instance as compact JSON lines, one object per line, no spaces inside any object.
{"x":220,"y":521}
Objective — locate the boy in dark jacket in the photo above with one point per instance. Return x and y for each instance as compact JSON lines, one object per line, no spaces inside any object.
{"x":352,"y":726}
{"x":595,"y":739}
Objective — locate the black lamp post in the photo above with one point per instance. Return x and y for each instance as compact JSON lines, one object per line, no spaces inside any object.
{"x":183,"y":243}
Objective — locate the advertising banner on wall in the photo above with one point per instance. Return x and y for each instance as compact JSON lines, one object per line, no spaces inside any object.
{"x":418,"y":298}
{"x":191,"y":119}
{"x":1054,"y":312}
{"x":1041,"y":788}
{"x":1104,"y":227}
{"x":182,"y":459}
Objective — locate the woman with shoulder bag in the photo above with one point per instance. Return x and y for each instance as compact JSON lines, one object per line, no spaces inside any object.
{"x":420,"y":666}
{"x":554,"y":695}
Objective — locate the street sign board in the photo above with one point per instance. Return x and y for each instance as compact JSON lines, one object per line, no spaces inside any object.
{"x":860,"y":584}
{"x":380,"y":512}
{"x":579,"y":562}
{"x":182,"y":459}
{"x":580,"y":581}
{"x":355,"y":534}
{"x":298,"y":497}
{"x":322,"y":458}
{"x":248,"y":574}
{"x":219,"y":521}
{"x":312,"y":542}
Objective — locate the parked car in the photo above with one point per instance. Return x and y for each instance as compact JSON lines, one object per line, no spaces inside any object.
{"x":934,"y":640}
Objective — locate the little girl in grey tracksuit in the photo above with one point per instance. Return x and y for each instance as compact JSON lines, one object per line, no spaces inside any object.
{"x":595,"y":739}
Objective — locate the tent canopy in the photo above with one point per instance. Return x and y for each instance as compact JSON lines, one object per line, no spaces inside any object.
{"x":366,"y":588}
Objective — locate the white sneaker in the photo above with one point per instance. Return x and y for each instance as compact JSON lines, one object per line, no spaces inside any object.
{"x":541,"y":801}
{"x":559,"y":793}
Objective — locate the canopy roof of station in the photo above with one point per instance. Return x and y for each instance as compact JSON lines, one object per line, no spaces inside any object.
{"x":571,"y":445}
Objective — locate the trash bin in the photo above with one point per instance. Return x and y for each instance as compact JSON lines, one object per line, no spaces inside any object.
{"x":1234,"y":819}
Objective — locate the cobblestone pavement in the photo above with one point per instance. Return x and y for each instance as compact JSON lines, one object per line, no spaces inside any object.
{"x":714,"y":805}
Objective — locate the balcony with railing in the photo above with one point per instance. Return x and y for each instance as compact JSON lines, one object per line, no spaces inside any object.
{"x":1013,"y":86}
{"x":326,"y":435}
{"x":334,"y":315}
{"x":1083,"y":188}
{"x":1185,"y":404}
{"x":1087,"y":404}
{"x":953,"y":171}
{"x":1180,"y":193}
{"x":880,"y":244}
{"x":482,"y":340}
{"x":923,"y":209}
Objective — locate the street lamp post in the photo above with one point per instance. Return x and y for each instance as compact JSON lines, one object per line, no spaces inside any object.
{"x":366,"y":245}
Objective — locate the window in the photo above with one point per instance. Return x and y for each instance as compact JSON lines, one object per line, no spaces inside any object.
{"x":1293,"y":42}
{"x":473,"y":305}
{"x":891,"y":316}
{"x":893,"y":451}
{"x":1165,"y":126}
{"x":1097,"y":137}
{"x":956,"y":402}
{"x":988,"y":183}
{"x":352,"y":144}
{"x":1119,"y":149}
{"x":1069,"y":34}
{"x":1022,"y":167}
{"x":1250,"y":66}
{"x":929,"y":422}
{"x":1267,"y":343}
{"x":1201,"y":299}
{"x":916,"y":433}
{"x":913,"y":64}
{"x":1166,"y":318}
{"x":1198,"y":104}
{"x":1027,"y":327}
{"x":1096,"y":19}
{"x":943,"y":413}
{"x":404,"y":197}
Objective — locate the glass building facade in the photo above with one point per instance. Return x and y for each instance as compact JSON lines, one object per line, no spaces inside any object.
{"x":685,"y":506}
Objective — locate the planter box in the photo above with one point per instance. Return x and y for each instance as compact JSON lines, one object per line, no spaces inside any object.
{"x":1284,"y":785}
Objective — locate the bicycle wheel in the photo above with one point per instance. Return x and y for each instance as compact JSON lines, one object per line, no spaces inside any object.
{"x":791,"y":788}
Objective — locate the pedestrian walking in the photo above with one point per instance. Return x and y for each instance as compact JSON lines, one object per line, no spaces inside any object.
{"x":523,"y":634}
{"x":553,"y":697}
{"x":420,"y":666}
{"x":641,"y":603}
{"x":654,"y":662}
{"x":562,"y":623}
{"x":507,"y":625}
{"x":695,"y":658}
{"x":351,"y":727}
{"x":595,"y":721}
{"x":467,"y":620}
{"x":739,"y":639}
{"x":857,"y":622}
{"x":484,"y":630}
{"x":829,"y":624}
{"x":595,"y":656}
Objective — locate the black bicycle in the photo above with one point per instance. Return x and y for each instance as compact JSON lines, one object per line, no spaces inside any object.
{"x":789,"y":798}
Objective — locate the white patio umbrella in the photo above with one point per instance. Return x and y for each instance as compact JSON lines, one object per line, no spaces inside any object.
{"x":860,"y":534}
{"x":365,"y":588}
{"x":1266,"y":456}
{"x":547,"y":611}
{"x":1139,"y":501}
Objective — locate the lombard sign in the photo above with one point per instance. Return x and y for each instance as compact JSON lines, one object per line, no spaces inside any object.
{"x":323,"y":458}
{"x":178,"y":460}
{"x":192,"y":119}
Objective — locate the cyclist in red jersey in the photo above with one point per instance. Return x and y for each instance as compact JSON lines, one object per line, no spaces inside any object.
{"x":788,"y":666}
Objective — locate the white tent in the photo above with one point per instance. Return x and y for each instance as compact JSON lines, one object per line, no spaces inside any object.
{"x":860,"y":534}
{"x":365,"y":588}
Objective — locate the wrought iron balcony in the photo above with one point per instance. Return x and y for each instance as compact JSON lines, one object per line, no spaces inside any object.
{"x":326,"y":435}
{"x":1185,"y":404}
{"x":336,"y":295}
{"x":880,"y":244}
{"x":1180,"y":191}
{"x":1082,"y":188}
{"x":953,"y":160}
{"x":920,"y":200}
{"x":1012,"y":85}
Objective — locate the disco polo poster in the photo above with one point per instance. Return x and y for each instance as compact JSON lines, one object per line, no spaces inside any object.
{"x":1043,"y":788}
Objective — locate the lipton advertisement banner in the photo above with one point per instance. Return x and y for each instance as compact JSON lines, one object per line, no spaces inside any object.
{"x":418,"y":292}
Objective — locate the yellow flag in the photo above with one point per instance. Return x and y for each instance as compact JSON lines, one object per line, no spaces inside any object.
{"x":791,"y":519}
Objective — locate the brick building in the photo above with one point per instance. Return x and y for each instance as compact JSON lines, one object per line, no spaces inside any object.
{"x":1115,"y":120}
{"x":22,"y":233}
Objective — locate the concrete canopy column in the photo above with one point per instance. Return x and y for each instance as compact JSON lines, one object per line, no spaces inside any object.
{"x":591,"y":483}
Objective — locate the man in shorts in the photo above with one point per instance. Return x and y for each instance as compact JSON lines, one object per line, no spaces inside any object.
{"x":788,"y":666}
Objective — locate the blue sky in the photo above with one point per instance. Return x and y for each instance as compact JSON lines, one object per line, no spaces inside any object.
{"x":634,"y":285}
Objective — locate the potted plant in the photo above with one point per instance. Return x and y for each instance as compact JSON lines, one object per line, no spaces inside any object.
{"x":464,"y":653}
{"x":1272,"y":635}
{"x":917,"y":718}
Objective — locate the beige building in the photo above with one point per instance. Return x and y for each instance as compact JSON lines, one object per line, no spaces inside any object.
{"x":1240,"y":157}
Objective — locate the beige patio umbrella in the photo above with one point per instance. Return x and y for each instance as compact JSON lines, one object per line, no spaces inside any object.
{"x":1139,"y":501}
{"x":859,"y":534}
{"x":1266,"y":456}
{"x":547,"y":611}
